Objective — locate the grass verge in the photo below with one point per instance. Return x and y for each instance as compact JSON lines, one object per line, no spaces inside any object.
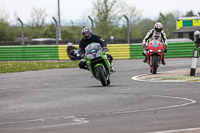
{"x":8,"y":67}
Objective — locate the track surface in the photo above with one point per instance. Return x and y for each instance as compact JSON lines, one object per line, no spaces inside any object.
{"x":69,"y":101}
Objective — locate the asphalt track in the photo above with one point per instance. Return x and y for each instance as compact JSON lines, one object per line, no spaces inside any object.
{"x":70,"y":101}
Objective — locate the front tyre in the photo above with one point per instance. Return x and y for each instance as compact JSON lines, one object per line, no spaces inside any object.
{"x":154,"y":64}
{"x":101,"y":75}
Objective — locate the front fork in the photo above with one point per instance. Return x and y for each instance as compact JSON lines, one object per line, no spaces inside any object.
{"x":151,"y":57}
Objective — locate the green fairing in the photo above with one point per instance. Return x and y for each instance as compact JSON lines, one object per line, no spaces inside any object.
{"x":104,"y":57}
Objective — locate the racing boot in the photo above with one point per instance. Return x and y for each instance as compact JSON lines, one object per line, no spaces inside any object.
{"x":163,"y":61}
{"x":112,"y":69}
{"x":145,"y":60}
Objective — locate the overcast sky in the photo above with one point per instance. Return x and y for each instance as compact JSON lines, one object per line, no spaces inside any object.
{"x":77,"y":9}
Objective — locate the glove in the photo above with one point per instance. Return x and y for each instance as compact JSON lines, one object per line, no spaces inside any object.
{"x":82,"y":60}
{"x":82,"y":55}
{"x":105,"y":49}
{"x":144,"y":45}
{"x":165,"y":50}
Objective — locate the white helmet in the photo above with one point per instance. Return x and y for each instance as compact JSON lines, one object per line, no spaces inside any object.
{"x":197,"y":34}
{"x":158,"y":27}
{"x":69,"y":44}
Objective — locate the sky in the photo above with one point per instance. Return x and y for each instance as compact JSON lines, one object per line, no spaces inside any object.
{"x":78,"y":9}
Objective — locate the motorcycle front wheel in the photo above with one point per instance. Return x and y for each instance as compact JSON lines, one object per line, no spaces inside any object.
{"x":101,"y":75}
{"x":154,"y":64}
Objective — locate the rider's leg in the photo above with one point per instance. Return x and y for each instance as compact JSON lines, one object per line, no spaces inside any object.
{"x":145,"y":54}
{"x":82,"y":64}
{"x":110,"y":59}
{"x":163,"y":58}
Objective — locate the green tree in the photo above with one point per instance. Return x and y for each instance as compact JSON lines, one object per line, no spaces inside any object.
{"x":190,"y":14}
{"x":3,"y":31}
{"x":170,"y":24}
{"x":141,"y":29}
{"x":50,"y":31}
{"x":106,"y":16}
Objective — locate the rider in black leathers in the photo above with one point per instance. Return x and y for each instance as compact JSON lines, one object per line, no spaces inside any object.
{"x":71,"y":52}
{"x":88,"y":38}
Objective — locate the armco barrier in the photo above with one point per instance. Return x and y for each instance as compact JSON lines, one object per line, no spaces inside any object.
{"x":62,"y":53}
{"x":118,"y":51}
{"x":180,"y":49}
{"x":9,"y":53}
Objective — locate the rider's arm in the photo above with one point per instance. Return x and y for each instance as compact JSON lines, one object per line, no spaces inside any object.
{"x":102,"y":42}
{"x":70,"y":54}
{"x":147,"y":37}
{"x":82,"y":48}
{"x":197,"y":42}
{"x":74,"y":48}
{"x":164,"y":38}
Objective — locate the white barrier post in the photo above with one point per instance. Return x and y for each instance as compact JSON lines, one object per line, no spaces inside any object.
{"x":194,"y":63}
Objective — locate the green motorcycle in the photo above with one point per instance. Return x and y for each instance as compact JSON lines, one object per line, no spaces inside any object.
{"x":98,"y":63}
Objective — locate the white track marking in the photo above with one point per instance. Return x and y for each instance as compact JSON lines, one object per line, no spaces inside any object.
{"x":3,"y":88}
{"x":77,"y":120}
{"x":34,"y":120}
{"x":159,"y":108}
{"x":137,"y":77}
{"x":178,"y":130}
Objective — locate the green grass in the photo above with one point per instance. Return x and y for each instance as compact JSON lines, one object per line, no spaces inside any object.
{"x":8,"y":67}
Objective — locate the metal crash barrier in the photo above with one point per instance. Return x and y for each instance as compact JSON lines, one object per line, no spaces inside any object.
{"x":118,"y":51}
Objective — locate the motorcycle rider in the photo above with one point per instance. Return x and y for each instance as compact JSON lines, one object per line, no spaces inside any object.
{"x":155,"y":34}
{"x":71,"y":52}
{"x":197,"y":38}
{"x":88,"y":38}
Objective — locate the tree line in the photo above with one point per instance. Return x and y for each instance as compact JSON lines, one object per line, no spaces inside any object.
{"x":108,"y":21}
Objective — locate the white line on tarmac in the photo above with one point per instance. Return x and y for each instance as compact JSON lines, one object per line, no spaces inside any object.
{"x":80,"y":120}
{"x":138,"y":79}
{"x":3,"y":88}
{"x":191,"y":101}
{"x":76,"y":121}
{"x":36,"y":120}
{"x":178,"y":130}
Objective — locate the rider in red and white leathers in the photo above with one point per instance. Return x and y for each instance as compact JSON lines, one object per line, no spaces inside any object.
{"x":197,"y":38}
{"x":155,"y":34}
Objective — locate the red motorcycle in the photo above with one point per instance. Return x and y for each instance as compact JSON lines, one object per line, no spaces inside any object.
{"x":154,"y":55}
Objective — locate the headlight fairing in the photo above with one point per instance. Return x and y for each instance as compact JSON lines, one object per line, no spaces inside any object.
{"x":99,"y":53}
{"x":159,"y":51}
{"x":151,"y":51}
{"x":90,"y":56}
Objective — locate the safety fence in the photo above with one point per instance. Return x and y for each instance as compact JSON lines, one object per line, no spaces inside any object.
{"x":58,"y":52}
{"x":174,"y":50}
{"x":38,"y":52}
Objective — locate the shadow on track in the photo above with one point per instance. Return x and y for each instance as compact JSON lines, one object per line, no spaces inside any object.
{"x":103,"y":86}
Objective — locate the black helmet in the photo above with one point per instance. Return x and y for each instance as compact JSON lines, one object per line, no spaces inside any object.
{"x":158,"y":27}
{"x":86,"y":32}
